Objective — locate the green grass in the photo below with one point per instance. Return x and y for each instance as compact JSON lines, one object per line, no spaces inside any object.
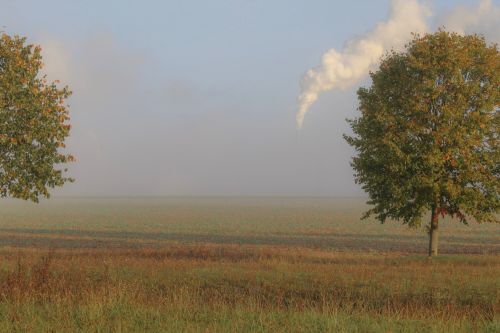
{"x":126,"y":317}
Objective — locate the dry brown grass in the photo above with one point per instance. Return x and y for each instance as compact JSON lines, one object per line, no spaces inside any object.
{"x":265,"y":277}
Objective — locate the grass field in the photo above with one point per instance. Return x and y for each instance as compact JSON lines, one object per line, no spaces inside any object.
{"x":238,"y":265}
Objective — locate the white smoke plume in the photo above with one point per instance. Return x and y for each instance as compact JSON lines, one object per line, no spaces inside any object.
{"x":343,"y":69}
{"x":483,"y":18}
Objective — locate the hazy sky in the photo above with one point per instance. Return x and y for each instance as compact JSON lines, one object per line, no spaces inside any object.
{"x":199,"y":97}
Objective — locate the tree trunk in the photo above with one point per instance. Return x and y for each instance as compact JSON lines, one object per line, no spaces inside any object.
{"x":433,"y":233}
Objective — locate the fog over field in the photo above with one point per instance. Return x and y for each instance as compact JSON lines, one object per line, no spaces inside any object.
{"x":132,"y":223}
{"x":200,"y":97}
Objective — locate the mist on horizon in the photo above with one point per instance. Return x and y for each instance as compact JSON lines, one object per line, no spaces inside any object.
{"x":194,"y":99}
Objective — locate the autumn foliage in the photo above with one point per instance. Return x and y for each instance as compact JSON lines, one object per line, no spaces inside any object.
{"x":428,"y":135}
{"x":33,"y":123}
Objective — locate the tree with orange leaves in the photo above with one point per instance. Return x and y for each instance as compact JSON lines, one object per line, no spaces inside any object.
{"x":428,"y":135}
{"x":33,"y":123}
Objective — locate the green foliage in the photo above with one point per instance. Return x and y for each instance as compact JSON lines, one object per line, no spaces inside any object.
{"x":33,"y":123}
{"x":428,"y":136}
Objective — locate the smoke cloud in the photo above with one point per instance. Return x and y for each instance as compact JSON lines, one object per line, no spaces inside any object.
{"x":342,"y":69}
{"x":483,"y":18}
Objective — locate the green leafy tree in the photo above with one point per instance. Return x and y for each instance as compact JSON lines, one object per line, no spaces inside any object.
{"x":428,"y":135}
{"x":33,"y":123}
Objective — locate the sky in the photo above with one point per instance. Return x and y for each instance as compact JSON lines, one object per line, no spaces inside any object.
{"x":201,"y":97}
